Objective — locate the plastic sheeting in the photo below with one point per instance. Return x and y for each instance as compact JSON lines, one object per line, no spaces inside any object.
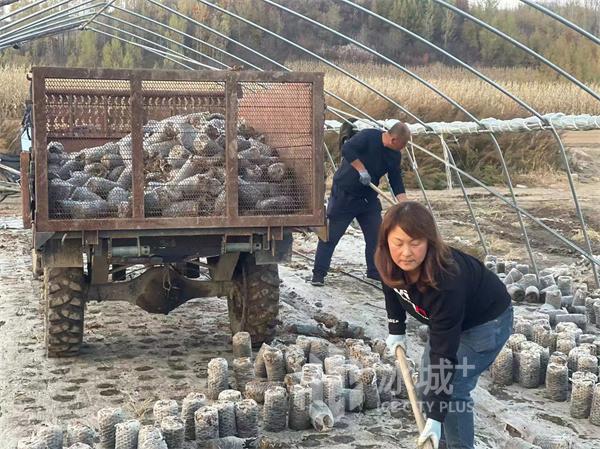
{"x":560,"y":121}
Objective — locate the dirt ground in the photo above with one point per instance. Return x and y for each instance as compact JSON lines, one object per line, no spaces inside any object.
{"x":131,"y":358}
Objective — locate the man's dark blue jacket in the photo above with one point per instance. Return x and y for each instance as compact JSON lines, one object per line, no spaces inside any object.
{"x":367,"y":146}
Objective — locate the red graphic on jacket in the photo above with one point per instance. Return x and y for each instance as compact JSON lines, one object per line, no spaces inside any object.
{"x":420,"y":311}
{"x":404,"y":296}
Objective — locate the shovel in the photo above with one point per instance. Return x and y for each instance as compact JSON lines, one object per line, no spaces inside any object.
{"x":412,"y":394}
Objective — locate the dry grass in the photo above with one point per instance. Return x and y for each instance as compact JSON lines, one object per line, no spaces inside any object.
{"x":532,"y":158}
{"x":13,"y":91}
{"x":534,"y":87}
{"x":524,"y":152}
{"x":593,"y":235}
{"x":139,"y":408}
{"x":508,"y":250}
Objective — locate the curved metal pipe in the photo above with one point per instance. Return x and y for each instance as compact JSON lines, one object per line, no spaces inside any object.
{"x":326,"y":62}
{"x":144,"y":47}
{"x":104,"y":8}
{"x":287,"y":69}
{"x":495,"y":141}
{"x":444,"y":96}
{"x":167,"y":49}
{"x":466,"y":196}
{"x":39,"y":34}
{"x":160,"y":36}
{"x":20,"y":10}
{"x":182,"y":33}
{"x":518,"y":44}
{"x":320,"y":58}
{"x":184,"y":46}
{"x":251,"y":50}
{"x":415,"y":167}
{"x":201,"y":41}
{"x":562,"y":20}
{"x":457,"y":60}
{"x":498,"y":195}
{"x":32,"y":15}
{"x":513,"y":196}
{"x":586,"y":237}
{"x":35,"y":30}
{"x":48,"y":18}
{"x":376,"y":53}
{"x":175,"y":42}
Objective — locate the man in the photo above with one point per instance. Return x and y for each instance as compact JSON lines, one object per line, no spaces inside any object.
{"x":367,"y":156}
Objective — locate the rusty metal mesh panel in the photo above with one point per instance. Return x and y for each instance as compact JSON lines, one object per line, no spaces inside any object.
{"x":275,"y":153}
{"x":89,"y":150}
{"x":77,"y":108}
{"x":184,"y":148}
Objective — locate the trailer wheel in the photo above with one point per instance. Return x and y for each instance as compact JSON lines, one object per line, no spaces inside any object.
{"x":253,"y":301}
{"x":120,"y":275}
{"x":63,"y":310}
{"x":192,"y":270}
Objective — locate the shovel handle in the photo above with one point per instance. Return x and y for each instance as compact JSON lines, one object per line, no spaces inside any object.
{"x":384,"y":195}
{"x":412,"y":394}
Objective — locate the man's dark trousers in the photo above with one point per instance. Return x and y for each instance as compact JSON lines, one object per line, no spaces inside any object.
{"x":342,"y":208}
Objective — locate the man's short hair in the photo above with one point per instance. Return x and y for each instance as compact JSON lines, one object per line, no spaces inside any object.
{"x":401,"y":131}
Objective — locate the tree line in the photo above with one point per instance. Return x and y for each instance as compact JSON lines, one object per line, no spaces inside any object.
{"x":437,"y":24}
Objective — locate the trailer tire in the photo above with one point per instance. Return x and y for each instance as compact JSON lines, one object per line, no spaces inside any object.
{"x":64,"y":308}
{"x":256,"y":286}
{"x":119,"y":275}
{"x":192,"y":270}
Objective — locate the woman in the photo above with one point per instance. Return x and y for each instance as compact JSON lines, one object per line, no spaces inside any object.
{"x":465,"y":305}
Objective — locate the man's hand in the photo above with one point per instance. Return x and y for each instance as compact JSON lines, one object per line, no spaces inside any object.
{"x":365,"y":178}
{"x":393,"y":341}
{"x":432,"y":431}
{"x":401,"y":197}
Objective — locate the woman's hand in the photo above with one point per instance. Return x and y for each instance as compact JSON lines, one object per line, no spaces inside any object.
{"x":432,"y":431}
{"x":393,"y":341}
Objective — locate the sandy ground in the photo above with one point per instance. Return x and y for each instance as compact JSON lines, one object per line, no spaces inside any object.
{"x":131,"y":358}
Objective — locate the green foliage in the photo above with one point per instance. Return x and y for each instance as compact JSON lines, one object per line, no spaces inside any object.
{"x":132,"y":58}
{"x":85,"y":53}
{"x":112,"y":54}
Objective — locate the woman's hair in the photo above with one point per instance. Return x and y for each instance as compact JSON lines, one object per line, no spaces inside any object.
{"x":416,"y":221}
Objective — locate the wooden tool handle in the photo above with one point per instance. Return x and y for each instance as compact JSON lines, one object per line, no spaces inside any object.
{"x":412,"y":394}
{"x":384,"y":195}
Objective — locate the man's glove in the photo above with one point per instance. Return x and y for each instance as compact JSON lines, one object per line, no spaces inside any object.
{"x":432,"y":431}
{"x":365,"y":178}
{"x":395,"y":340}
